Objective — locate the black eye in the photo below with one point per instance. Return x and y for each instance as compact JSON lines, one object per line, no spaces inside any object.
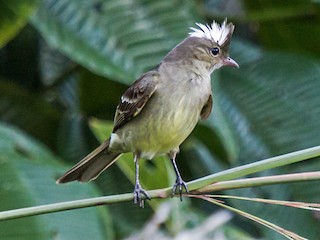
{"x":215,"y":51}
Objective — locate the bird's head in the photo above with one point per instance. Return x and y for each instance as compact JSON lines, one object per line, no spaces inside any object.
{"x":207,"y":45}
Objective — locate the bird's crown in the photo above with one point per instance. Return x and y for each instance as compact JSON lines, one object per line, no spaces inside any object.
{"x":220,"y":34}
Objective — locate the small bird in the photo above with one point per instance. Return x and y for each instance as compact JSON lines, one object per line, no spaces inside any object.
{"x":162,"y":107}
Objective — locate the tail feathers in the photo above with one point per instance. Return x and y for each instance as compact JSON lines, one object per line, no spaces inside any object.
{"x":90,"y":167}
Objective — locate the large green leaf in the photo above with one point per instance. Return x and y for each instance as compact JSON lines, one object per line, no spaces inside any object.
{"x":118,"y":39}
{"x":273,"y":104}
{"x":287,"y":25}
{"x":99,"y":96}
{"x":75,"y":138}
{"x":14,"y":15}
{"x":29,"y":111}
{"x":272,"y":108}
{"x":63,"y":81}
{"x":27,"y":176}
{"x":267,"y":10}
{"x":267,"y":107}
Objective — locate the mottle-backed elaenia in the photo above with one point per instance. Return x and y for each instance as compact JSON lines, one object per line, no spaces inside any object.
{"x":159,"y":111}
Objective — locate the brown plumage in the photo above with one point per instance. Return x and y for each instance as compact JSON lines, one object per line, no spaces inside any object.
{"x":159,"y":111}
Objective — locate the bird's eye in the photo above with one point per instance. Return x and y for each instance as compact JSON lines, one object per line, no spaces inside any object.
{"x":215,"y":51}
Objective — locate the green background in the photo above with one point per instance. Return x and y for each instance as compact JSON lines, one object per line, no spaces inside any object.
{"x":63,"y":67}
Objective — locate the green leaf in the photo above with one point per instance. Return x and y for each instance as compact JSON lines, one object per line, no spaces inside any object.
{"x":272,"y":108}
{"x":29,"y":111}
{"x":272,"y":104}
{"x":14,"y":16}
{"x":27,"y":176}
{"x":267,"y":107}
{"x":75,"y":139}
{"x":63,"y":79}
{"x":99,"y":96}
{"x":263,"y":10}
{"x":111,"y":39}
{"x":287,"y":25}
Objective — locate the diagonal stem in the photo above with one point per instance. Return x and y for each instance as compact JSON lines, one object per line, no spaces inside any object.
{"x":255,"y":167}
{"x":259,"y":181}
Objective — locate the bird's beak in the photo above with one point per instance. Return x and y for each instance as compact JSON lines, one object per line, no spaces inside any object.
{"x":230,"y":62}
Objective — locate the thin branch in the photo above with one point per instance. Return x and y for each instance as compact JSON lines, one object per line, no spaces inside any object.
{"x":166,"y":192}
{"x":259,"y":181}
{"x":76,"y":204}
{"x":301,"y":205}
{"x":255,"y":167}
{"x":64,"y":206}
{"x":280,"y":230}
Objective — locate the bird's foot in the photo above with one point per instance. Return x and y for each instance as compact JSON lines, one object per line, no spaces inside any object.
{"x":179,"y":185}
{"x":137,"y":195}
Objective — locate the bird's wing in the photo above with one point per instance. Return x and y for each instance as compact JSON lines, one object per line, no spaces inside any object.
{"x":135,"y":98}
{"x":206,"y":110}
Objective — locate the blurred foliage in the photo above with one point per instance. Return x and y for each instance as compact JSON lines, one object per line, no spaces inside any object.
{"x":71,"y":61}
{"x":14,"y":16}
{"x":27,"y":173}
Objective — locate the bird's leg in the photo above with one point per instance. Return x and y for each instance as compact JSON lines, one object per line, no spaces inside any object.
{"x":138,"y":190}
{"x":179,"y":184}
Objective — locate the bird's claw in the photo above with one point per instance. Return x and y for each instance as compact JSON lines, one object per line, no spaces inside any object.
{"x":137,"y":195}
{"x":180,"y":185}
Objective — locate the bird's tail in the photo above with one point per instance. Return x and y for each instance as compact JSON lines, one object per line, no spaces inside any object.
{"x":90,"y":167}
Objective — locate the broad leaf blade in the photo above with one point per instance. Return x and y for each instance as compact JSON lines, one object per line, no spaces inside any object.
{"x":14,"y":16}
{"x":290,"y":25}
{"x":272,"y":108}
{"x":273,"y":104}
{"x":111,"y":39}
{"x":28,"y":173}
{"x":29,"y":111}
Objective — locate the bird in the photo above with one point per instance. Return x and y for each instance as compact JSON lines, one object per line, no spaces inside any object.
{"x":162,"y":107}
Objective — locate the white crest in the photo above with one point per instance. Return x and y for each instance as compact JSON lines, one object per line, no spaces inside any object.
{"x":216,"y":32}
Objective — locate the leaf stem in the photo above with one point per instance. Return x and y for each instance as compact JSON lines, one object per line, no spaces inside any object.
{"x":280,"y":230}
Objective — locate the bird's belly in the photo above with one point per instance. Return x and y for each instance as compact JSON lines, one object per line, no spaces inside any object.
{"x":171,"y":130}
{"x":157,"y":132}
